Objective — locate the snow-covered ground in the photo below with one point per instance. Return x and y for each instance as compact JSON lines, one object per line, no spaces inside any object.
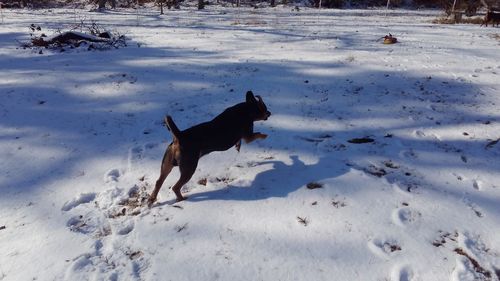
{"x":82,"y":138}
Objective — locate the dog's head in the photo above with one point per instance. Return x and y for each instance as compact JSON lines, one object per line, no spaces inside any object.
{"x":488,"y":16}
{"x":259,"y":108}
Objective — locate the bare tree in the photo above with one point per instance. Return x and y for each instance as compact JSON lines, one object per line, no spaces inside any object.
{"x":160,"y":3}
{"x":102,"y":4}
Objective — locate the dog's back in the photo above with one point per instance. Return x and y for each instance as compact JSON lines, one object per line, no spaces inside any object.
{"x":493,"y":17}
{"x":225,"y":130}
{"x":222,"y":132}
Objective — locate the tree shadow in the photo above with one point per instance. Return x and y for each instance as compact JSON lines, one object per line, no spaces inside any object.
{"x":308,"y":98}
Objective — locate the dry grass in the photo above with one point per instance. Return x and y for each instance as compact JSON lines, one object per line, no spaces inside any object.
{"x":450,"y":20}
{"x":251,"y":22}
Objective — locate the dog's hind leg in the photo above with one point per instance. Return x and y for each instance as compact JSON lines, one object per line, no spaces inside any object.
{"x":187,"y":167}
{"x":167,"y":164}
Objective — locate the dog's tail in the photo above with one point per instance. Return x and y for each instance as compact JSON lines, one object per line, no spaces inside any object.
{"x":172,"y":127}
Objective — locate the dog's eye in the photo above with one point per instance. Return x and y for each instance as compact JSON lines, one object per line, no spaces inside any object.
{"x":262,"y":107}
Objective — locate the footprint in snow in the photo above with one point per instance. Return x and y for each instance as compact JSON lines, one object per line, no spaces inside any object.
{"x":473,"y":207}
{"x":83,"y":198}
{"x":384,"y":248}
{"x":78,"y":224}
{"x":109,"y":214}
{"x":464,"y":270}
{"x":102,"y":264}
{"x":472,"y":257}
{"x":135,"y":153}
{"x":468,"y":268}
{"x":419,"y":134}
{"x":150,"y":145}
{"x":408,"y":154}
{"x":422,"y":134}
{"x":82,"y":224}
{"x":82,"y":263}
{"x":127,"y":228}
{"x":112,"y":175}
{"x":404,"y":216}
{"x":477,"y":184}
{"x":91,"y":223}
{"x":402,"y":273}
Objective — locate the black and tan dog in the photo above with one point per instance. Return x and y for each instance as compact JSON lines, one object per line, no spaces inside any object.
{"x":223,"y":132}
{"x":492,"y":16}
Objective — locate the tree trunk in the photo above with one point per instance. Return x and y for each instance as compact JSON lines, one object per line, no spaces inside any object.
{"x":454,"y":4}
{"x":201,"y":4}
{"x":102,"y":4}
{"x":161,"y":7}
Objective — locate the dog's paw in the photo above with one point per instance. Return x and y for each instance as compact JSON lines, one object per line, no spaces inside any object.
{"x":151,"y":201}
{"x":181,"y":198}
{"x":238,"y":145}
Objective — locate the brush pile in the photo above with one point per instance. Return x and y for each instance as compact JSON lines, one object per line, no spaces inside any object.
{"x":84,"y":36}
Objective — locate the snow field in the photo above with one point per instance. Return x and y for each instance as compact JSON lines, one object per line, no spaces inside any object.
{"x":82,"y":139}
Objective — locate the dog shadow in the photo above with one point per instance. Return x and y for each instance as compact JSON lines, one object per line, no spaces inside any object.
{"x":279,"y":181}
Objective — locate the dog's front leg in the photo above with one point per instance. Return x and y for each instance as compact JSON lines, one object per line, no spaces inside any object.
{"x":254,"y":136}
{"x":238,"y":146}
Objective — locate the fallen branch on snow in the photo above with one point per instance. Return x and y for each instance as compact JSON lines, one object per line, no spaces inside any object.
{"x":70,"y":37}
{"x":95,"y":39}
{"x":492,"y":143}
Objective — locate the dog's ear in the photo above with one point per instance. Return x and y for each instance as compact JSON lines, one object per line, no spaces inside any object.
{"x":250,"y":97}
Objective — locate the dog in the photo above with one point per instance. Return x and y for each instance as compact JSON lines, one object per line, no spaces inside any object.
{"x":223,"y":132}
{"x":492,"y":17}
